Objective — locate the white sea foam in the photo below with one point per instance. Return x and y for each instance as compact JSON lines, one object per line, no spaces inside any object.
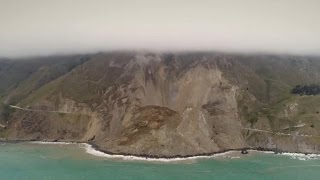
{"x":266,"y":152}
{"x":46,"y":142}
{"x":90,"y":150}
{"x":301,"y":156}
{"x":298,"y":156}
{"x":236,"y":157}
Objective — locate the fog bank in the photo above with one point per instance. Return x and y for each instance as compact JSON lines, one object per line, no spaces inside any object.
{"x":41,"y":27}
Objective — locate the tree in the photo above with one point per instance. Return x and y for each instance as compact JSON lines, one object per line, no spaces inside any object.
{"x":6,"y":111}
{"x":309,"y":90}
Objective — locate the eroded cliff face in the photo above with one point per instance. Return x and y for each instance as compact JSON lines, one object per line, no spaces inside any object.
{"x":173,"y":111}
{"x":164,"y":105}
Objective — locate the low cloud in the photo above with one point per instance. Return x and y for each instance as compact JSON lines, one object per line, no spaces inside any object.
{"x":42,"y":27}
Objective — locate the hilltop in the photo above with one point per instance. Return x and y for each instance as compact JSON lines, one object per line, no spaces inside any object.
{"x":163,"y":104}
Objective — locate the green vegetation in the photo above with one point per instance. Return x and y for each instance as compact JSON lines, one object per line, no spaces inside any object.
{"x":308,"y":90}
{"x":263,"y":90}
{"x":41,"y":93}
{"x":6,"y":111}
{"x":19,"y":78}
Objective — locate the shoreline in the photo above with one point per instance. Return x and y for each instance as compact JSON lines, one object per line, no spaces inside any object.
{"x":94,"y":150}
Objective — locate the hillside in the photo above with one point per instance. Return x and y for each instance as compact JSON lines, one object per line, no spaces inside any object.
{"x":164,"y":104}
{"x":19,"y":77}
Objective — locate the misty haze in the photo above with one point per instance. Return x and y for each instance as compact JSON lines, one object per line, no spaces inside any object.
{"x":150,"y":89}
{"x":42,"y":27}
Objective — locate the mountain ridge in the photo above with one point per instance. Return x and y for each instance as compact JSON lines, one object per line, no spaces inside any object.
{"x":168,"y":104}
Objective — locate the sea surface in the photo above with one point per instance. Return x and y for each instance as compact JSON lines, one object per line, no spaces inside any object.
{"x":80,"y":162}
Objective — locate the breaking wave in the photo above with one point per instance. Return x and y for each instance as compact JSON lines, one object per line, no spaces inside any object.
{"x":91,"y":150}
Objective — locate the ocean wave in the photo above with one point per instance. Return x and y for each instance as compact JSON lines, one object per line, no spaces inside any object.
{"x":301,"y":156}
{"x":47,"y":142}
{"x":90,"y":150}
{"x":298,"y":156}
{"x":265,"y":152}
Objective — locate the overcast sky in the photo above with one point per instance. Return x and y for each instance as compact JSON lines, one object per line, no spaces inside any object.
{"x":40,"y":27}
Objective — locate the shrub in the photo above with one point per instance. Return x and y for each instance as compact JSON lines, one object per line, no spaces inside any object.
{"x":6,"y":111}
{"x":308,"y":90}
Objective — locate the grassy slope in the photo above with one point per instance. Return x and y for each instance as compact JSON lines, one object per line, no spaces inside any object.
{"x":275,"y":105}
{"x":265,"y":83}
{"x":19,"y":78}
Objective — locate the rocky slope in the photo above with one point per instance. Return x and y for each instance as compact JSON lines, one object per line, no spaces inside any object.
{"x":170,"y":104}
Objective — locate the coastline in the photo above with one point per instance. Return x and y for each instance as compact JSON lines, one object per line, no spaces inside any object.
{"x":94,"y":150}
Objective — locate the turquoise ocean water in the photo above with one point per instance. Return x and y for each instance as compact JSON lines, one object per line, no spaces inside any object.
{"x":68,"y":162}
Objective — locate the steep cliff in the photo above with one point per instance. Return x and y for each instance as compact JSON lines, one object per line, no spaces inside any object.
{"x":173,"y":104}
